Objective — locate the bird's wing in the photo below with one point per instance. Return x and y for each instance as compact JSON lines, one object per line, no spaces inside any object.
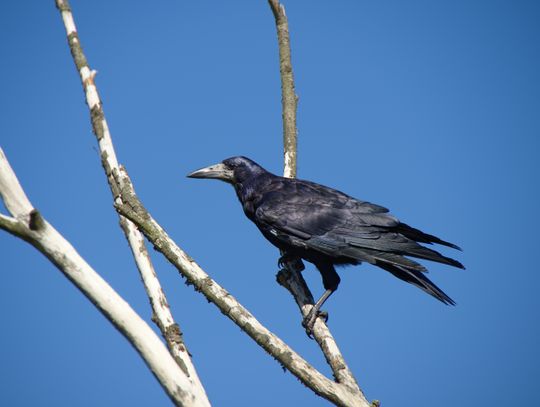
{"x":337,"y":225}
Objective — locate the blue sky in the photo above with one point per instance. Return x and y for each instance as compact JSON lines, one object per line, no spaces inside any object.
{"x":427,"y":107}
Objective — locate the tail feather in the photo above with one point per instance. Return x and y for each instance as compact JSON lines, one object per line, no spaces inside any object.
{"x":377,"y":256}
{"x":418,"y":279}
{"x":419,"y":236}
{"x":433,"y":255}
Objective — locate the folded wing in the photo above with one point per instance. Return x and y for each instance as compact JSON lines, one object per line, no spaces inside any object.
{"x":326,"y":221}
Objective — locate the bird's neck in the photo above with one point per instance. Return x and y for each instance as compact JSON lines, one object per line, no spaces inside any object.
{"x":248,"y":191}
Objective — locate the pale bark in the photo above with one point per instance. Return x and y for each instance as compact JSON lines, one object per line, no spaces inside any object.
{"x":182,"y":388}
{"x":289,"y":99}
{"x":28,"y":224}
{"x":133,"y":209}
{"x":325,"y":388}
{"x":161,"y":313}
{"x":290,"y":277}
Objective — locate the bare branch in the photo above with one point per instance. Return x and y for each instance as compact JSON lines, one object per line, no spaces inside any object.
{"x":290,"y":277}
{"x":162,"y":315}
{"x":133,"y":209}
{"x":12,"y":193}
{"x":293,"y":281}
{"x":28,"y":224}
{"x":289,"y":99}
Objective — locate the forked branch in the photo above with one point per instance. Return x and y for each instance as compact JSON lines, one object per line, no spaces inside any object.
{"x":133,"y":209}
{"x":28,"y":224}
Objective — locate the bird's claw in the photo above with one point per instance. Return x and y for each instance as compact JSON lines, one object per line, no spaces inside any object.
{"x":309,"y":321}
{"x":282,"y":261}
{"x":323,"y":315}
{"x":286,"y":261}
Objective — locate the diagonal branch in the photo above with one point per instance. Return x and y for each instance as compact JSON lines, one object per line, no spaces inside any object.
{"x":162,"y":315}
{"x":290,"y":277}
{"x":292,"y":280}
{"x":28,"y":224}
{"x":133,"y":209}
{"x":130,"y":207}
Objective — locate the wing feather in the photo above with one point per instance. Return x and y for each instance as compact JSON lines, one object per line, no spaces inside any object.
{"x":340,"y":226}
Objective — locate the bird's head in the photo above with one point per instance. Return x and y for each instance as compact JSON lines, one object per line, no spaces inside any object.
{"x":232,"y":170}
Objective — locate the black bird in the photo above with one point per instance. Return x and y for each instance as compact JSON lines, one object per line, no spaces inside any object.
{"x":327,"y":227}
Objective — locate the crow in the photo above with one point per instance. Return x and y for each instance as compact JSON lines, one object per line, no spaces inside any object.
{"x":326,"y":227}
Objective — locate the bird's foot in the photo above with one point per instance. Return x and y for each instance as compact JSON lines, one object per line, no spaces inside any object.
{"x":309,"y":321}
{"x":287,"y":260}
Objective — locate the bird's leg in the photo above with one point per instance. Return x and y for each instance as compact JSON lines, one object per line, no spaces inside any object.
{"x":331,"y":282}
{"x":315,"y":312}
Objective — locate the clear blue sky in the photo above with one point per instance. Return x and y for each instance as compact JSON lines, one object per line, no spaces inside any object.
{"x":430,"y":108}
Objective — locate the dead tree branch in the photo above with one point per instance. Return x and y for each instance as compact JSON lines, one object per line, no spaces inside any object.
{"x":161,"y":313}
{"x":290,"y":277}
{"x":28,"y":224}
{"x":289,"y":99}
{"x":132,"y":208}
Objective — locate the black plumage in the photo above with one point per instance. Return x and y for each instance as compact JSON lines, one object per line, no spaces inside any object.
{"x":327,"y":227}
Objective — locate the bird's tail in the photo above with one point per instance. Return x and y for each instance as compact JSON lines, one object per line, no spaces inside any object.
{"x":422,"y":252}
{"x":421,"y":237}
{"x":417,"y":278}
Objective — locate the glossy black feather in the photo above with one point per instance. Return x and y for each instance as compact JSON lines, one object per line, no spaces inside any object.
{"x":327,"y":227}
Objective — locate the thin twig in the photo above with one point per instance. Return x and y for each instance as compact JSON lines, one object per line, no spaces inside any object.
{"x":162,"y":315}
{"x":290,"y":277}
{"x":28,"y":224}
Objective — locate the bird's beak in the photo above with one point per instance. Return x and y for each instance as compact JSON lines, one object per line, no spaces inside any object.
{"x":217,"y":171}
